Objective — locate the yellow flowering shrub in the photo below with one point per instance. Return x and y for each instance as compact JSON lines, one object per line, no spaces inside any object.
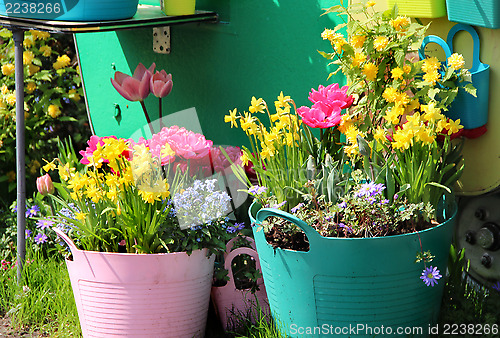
{"x":397,"y":122}
{"x":52,"y":102}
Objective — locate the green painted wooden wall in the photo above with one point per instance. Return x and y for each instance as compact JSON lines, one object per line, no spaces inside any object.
{"x":258,"y":48}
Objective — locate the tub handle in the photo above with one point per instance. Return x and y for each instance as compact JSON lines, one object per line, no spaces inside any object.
{"x":311,"y":233}
{"x":236,"y":252}
{"x":74,"y":250}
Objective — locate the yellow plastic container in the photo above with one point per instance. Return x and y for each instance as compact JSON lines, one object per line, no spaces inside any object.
{"x":178,"y":7}
{"x":420,"y":8}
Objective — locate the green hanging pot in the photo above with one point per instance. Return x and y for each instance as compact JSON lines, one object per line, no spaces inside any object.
{"x":362,"y":287}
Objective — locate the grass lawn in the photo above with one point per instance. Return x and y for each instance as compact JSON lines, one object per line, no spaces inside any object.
{"x":44,"y":306}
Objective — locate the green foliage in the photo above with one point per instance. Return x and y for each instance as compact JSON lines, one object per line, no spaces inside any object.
{"x":43,"y":301}
{"x":466,"y":301}
{"x":54,"y":105}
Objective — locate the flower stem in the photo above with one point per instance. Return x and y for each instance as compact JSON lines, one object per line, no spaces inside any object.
{"x":147,"y":117}
{"x":160,"y":114}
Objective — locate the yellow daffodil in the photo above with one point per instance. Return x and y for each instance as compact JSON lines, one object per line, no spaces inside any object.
{"x":402,"y":140}
{"x":244,"y":159}
{"x":431,"y":113}
{"x":231,"y":118}
{"x":282,"y":101}
{"x":246,"y":122}
{"x":425,"y":136}
{"x":392,"y":115}
{"x":379,"y":135}
{"x":454,"y":126}
{"x":257,"y":105}
{"x":49,"y":166}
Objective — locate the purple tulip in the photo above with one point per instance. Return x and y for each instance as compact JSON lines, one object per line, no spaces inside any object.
{"x":161,"y":84}
{"x":135,"y":87}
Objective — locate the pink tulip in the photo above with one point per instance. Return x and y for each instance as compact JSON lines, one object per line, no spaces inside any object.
{"x":135,"y":87}
{"x":44,"y":185}
{"x":332,"y":95}
{"x":328,"y":103}
{"x":161,"y":84}
{"x":320,"y":115}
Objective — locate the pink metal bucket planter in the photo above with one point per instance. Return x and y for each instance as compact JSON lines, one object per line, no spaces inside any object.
{"x":229,"y":300}
{"x":133,"y":295}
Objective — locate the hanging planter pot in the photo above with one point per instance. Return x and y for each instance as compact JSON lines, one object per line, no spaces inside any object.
{"x":471,"y":110}
{"x":70,"y":10}
{"x":341,"y":283}
{"x":140,"y":295}
{"x":178,"y":7}
{"x":231,"y":302}
{"x":420,"y":8}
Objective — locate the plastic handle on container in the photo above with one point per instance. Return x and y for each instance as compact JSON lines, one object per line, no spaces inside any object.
{"x":230,"y":244}
{"x":433,"y":39}
{"x":66,"y":240}
{"x":476,"y":63}
{"x":236,"y":252}
{"x":311,"y":234}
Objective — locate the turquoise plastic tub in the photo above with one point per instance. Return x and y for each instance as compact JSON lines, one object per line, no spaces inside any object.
{"x":484,"y":13}
{"x":70,"y":10}
{"x":352,"y":287}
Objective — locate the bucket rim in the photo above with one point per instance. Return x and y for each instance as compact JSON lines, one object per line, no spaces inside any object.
{"x":358,"y":239}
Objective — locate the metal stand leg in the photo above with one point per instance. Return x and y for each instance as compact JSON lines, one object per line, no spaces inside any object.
{"x":20,"y":149}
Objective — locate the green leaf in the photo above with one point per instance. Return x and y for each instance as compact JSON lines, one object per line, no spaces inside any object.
{"x":469,"y":88}
{"x":439,"y":186}
{"x":67,"y":119}
{"x":364,"y":147}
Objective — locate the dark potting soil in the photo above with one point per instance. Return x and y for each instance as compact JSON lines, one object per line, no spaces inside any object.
{"x":297,"y":240}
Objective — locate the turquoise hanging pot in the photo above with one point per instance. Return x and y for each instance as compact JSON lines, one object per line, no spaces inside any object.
{"x":362,"y":287}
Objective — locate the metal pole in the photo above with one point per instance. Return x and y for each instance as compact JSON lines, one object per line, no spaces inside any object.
{"x":20,"y":148}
